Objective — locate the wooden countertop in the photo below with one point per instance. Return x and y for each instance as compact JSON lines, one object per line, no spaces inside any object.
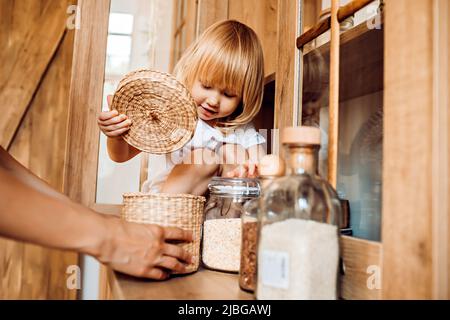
{"x":202,"y":285}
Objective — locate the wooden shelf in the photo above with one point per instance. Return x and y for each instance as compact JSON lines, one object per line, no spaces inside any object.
{"x":358,"y":255}
{"x":361,"y":61}
{"x":325,"y":25}
{"x":202,"y":285}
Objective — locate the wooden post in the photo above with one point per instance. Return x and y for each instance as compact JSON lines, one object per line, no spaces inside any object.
{"x":415,"y":178}
{"x":334,"y":95}
{"x":85,"y":102}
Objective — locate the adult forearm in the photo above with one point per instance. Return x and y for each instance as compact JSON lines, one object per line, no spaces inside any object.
{"x":12,"y":166}
{"x":29,"y":215}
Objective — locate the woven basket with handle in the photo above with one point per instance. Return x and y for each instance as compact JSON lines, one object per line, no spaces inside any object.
{"x":172,"y":210}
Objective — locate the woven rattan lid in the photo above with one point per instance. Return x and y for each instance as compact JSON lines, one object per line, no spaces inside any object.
{"x":162,"y":111}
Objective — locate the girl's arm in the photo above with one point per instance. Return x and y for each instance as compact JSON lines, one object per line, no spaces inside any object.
{"x":119,"y":150}
{"x":249,"y":168}
{"x":193,"y":176}
{"x":113,"y":125}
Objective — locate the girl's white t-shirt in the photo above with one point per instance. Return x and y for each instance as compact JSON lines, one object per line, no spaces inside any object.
{"x":205,"y":136}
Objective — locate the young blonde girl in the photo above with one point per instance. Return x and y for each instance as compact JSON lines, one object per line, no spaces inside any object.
{"x":224,"y":70}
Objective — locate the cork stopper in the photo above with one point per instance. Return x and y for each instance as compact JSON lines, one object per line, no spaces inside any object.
{"x":271,"y":165}
{"x":301,"y":135}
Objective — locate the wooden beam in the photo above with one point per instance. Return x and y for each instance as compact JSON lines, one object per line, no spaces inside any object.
{"x":333,"y":130}
{"x":287,"y":73}
{"x":448,"y":158}
{"x":88,"y":71}
{"x":407,"y":231}
{"x":30,"y":64}
{"x":441,"y":150}
{"x":85,"y":102}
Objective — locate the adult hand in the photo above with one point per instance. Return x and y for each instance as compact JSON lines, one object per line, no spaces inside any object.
{"x":142,"y":250}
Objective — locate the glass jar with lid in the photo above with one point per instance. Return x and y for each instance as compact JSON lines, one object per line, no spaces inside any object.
{"x":298,"y":248}
{"x":222,"y":228}
{"x":270,"y":167}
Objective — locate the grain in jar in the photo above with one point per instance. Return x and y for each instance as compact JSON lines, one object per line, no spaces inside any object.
{"x":298,"y":249}
{"x":298,"y":260}
{"x":270,"y":167}
{"x":222,"y":230}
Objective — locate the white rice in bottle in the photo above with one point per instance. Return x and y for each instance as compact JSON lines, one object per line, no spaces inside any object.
{"x":298,"y":259}
{"x":222,"y":244}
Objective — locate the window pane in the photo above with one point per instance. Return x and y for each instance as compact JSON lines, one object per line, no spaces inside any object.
{"x":120,"y":23}
{"x":117,"y":65}
{"x":119,"y":45}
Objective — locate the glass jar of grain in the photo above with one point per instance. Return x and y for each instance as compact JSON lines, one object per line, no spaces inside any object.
{"x":270,"y":167}
{"x":222,"y":228}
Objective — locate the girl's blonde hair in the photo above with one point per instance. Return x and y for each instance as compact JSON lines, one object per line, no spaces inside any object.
{"x":227,"y":55}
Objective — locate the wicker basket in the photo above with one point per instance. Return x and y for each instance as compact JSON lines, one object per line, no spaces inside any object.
{"x":183,"y":210}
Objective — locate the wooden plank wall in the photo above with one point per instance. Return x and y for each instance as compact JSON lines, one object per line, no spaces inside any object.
{"x":261,"y":16}
{"x":29,"y":271}
{"x":37,"y":45}
{"x":209,"y":12}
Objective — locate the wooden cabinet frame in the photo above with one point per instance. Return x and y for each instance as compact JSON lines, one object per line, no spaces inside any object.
{"x":415,"y":229}
{"x":414,"y":255}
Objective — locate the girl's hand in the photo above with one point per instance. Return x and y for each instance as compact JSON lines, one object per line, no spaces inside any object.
{"x":246,"y":170}
{"x":113,"y":124}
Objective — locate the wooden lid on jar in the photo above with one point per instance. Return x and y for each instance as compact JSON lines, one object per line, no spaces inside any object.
{"x":271,"y":165}
{"x":301,"y":135}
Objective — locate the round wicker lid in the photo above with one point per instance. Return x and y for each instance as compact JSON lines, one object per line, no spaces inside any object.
{"x":162,"y":111}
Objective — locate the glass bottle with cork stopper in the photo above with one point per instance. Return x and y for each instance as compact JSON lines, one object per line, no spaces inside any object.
{"x":269,"y":168}
{"x":298,"y":248}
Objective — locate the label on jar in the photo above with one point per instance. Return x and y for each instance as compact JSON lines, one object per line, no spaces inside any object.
{"x":275,"y":269}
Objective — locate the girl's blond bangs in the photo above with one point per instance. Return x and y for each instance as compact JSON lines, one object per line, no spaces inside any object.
{"x":223,"y":69}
